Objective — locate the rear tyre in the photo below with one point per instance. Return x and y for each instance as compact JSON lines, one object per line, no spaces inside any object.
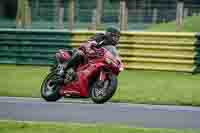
{"x":49,"y":89}
{"x":101,"y":94}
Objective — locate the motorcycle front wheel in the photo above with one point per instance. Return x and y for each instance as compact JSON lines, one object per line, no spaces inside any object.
{"x":49,"y":89}
{"x":101,"y":92}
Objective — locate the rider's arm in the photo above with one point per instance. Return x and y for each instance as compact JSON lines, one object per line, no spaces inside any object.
{"x":98,"y":37}
{"x":112,"y":49}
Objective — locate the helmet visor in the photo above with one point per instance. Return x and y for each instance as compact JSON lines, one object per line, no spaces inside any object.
{"x":115,"y":37}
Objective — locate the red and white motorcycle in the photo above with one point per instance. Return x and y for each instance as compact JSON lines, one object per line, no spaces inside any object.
{"x":97,"y":79}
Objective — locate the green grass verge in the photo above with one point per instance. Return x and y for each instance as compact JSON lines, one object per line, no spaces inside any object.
{"x":190,"y":24}
{"x":136,"y":86}
{"x":33,"y":127}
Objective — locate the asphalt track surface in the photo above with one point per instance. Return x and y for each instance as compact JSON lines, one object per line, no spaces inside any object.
{"x":136,"y":115}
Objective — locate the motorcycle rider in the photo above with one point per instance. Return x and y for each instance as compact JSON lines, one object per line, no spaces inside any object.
{"x":108,"y":40}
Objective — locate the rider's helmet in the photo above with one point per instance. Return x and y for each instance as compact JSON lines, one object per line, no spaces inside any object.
{"x":113,"y":35}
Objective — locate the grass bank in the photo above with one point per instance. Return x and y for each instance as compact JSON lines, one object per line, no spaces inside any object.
{"x":31,"y":127}
{"x":190,"y":24}
{"x":149,"y":87}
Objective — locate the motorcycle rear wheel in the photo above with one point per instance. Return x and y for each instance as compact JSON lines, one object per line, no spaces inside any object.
{"x":50,"y":91}
{"x":108,"y":92}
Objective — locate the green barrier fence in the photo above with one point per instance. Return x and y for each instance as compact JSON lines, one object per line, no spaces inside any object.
{"x":139,"y":50}
{"x":31,"y":46}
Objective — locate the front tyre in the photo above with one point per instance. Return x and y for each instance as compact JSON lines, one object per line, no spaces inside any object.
{"x":103,"y":92}
{"x":49,"y":89}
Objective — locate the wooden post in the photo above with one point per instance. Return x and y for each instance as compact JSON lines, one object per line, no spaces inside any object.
{"x":123,"y":15}
{"x":27,"y":14}
{"x":185,"y":12}
{"x":71,"y":14}
{"x":56,"y":5}
{"x":94,"y":19}
{"x":19,"y":18}
{"x":60,"y":18}
{"x":155,"y":15}
{"x":99,"y":11}
{"x":23,"y":19}
{"x":179,"y":15}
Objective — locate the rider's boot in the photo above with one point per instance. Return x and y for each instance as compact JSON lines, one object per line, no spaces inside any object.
{"x":75,"y":59}
{"x":70,"y":65}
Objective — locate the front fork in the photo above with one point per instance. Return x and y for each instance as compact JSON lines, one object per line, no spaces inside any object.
{"x":102,"y":78}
